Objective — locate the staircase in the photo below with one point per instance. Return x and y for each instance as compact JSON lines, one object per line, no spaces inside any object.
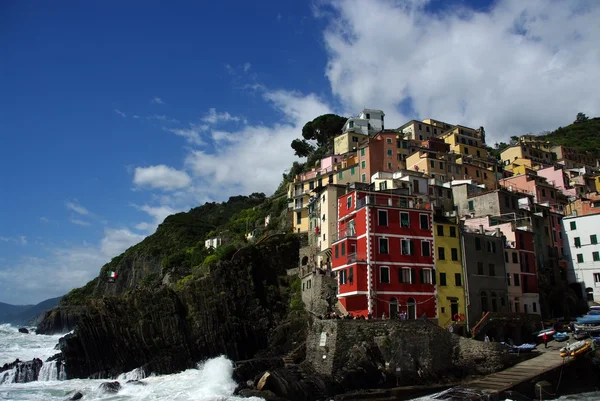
{"x":303,"y":376}
{"x":339,"y":309}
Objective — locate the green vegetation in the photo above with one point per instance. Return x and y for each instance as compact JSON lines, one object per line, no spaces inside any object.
{"x":583,"y":135}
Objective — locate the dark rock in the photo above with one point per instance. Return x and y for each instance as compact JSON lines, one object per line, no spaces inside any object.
{"x":136,"y":382}
{"x":294,"y":383}
{"x":77,"y":396}
{"x":60,"y":320}
{"x":24,"y":372}
{"x":23,"y":330}
{"x":248,"y":370}
{"x":229,"y":312}
{"x":110,"y":387}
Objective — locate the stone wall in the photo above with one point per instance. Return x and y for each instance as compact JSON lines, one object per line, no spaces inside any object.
{"x":370,"y":352}
{"x":315,"y":287}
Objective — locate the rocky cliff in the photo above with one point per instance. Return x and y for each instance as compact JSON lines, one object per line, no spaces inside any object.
{"x":232,"y":310}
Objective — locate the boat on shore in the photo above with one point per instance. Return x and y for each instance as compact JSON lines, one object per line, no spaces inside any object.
{"x":576,"y":348}
{"x":560,"y":337}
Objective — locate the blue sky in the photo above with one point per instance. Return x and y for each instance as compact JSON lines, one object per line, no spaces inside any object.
{"x":115,"y":114}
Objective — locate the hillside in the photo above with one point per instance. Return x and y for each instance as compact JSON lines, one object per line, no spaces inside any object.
{"x":28,"y":315}
{"x":583,"y":134}
{"x":176,"y":249}
{"x":7,"y":311}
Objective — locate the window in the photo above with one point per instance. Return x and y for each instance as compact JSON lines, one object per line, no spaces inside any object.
{"x":390,"y":152}
{"x":458,"y":279}
{"x":343,"y":276}
{"x":577,"y":242}
{"x":390,"y":165}
{"x":298,"y":217}
{"x":343,"y":248}
{"x":452,"y":231}
{"x":508,"y":279}
{"x":492,"y":269}
{"x":515,"y":257}
{"x":406,"y":247}
{"x":478,"y":244}
{"x":593,"y":239}
{"x":424,"y":221}
{"x":337,"y":253}
{"x":506,"y":257}
{"x":383,"y":185}
{"x":363,"y":164}
{"x":443,"y":279}
{"x":368,"y":116}
{"x":480,"y":268}
{"x":383,"y":245}
{"x":516,"y":280}
{"x":349,"y":202}
{"x":362,"y":152}
{"x":384,"y":274}
{"x":382,"y":217}
{"x":441,"y":166}
{"x":363,"y":178}
{"x":534,"y":307}
{"x":454,"y":253}
{"x":352,"y":170}
{"x":441,"y":253}
{"x":471,"y":206}
{"x":426,"y":276}
{"x":579,"y":258}
{"x":404,"y":220}
{"x":340,"y":175}
{"x":596,"y":256}
{"x":432,"y":163}
{"x":573,"y":225}
{"x":425,"y":248}
{"x":440,"y":230}
{"x":388,"y":140}
{"x":355,"y":139}
{"x":543,"y":193}
{"x":405,"y":275}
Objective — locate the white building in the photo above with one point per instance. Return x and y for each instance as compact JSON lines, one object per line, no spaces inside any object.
{"x":367,"y":122}
{"x":581,"y":234}
{"x":214,"y":242}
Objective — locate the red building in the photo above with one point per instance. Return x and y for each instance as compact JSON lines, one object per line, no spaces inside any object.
{"x":383,"y":255}
{"x":526,"y":247}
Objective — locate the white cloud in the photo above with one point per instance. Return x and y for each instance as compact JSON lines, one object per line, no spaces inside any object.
{"x":163,"y":118}
{"x":157,"y":100}
{"x":79,"y":222}
{"x":523,"y":66}
{"x":161,"y":177}
{"x":120,"y":113}
{"x":253,"y":158}
{"x":19,"y":240}
{"x":247,"y":66}
{"x":212,"y":117}
{"x":44,"y":219}
{"x":33,"y":279}
{"x":192,"y":135}
{"x":77,"y":208}
{"x":158,"y":214}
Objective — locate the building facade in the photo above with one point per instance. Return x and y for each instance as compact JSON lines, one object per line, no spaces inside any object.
{"x":582,"y":233}
{"x":383,"y":255}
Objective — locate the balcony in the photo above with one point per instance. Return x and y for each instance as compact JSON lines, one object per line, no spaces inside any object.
{"x":343,"y":234}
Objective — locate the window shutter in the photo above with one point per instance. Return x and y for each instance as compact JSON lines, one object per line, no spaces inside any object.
{"x":413,"y":276}
{"x":400,"y":276}
{"x":412,"y":247}
{"x":421,"y":276}
{"x":433,"y":274}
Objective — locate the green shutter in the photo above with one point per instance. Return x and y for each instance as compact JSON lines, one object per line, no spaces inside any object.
{"x":433,"y":274}
{"x":400,"y":276}
{"x":413,"y":276}
{"x":421,"y":276}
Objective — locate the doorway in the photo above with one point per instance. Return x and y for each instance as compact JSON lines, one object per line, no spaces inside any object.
{"x":393,"y":308}
{"x":412,"y":308}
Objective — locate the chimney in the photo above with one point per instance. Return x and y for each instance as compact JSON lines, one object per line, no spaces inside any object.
{"x":481,"y":231}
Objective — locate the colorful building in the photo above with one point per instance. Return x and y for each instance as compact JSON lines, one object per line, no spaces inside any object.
{"x":448,"y":265}
{"x":383,"y":254}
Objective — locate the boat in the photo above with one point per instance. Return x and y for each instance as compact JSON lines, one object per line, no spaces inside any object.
{"x":590,"y":328}
{"x":560,"y":337}
{"x":589,"y":319}
{"x":580,"y":335}
{"x":595,"y":307}
{"x":548,"y":332}
{"x":576,"y":348}
{"x":520,"y":348}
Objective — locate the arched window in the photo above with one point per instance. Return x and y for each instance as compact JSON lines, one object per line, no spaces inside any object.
{"x":305,"y":261}
{"x":484,"y":302}
{"x":393,"y":308}
{"x":494,"y":302}
{"x":412,"y":308}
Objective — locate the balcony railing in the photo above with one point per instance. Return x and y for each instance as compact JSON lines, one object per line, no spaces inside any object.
{"x":343,"y":234}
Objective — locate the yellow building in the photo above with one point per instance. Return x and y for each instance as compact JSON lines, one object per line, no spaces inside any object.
{"x":347,"y":142}
{"x":450,"y":279}
{"x":537,"y":153}
{"x":466,"y":141}
{"x":597,"y":182}
{"x":438,"y":165}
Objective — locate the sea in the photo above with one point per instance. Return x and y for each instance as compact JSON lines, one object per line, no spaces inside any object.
{"x":210,"y":381}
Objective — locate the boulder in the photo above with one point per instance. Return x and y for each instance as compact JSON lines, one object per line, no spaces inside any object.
{"x":110,"y":387}
{"x":25,"y":372}
{"x":77,"y":396}
{"x":136,"y":382}
{"x":23,"y":330}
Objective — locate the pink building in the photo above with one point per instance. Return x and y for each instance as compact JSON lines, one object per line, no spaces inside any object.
{"x":533,"y":184}
{"x":558,"y":178}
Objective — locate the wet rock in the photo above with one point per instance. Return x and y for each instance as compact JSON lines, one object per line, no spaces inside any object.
{"x":111,"y":387}
{"x":248,"y":370}
{"x":23,"y":330}
{"x":266,"y":395}
{"x":60,"y":320}
{"x":543,"y":390}
{"x":77,"y":396}
{"x":24,"y":372}
{"x":136,"y":382}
